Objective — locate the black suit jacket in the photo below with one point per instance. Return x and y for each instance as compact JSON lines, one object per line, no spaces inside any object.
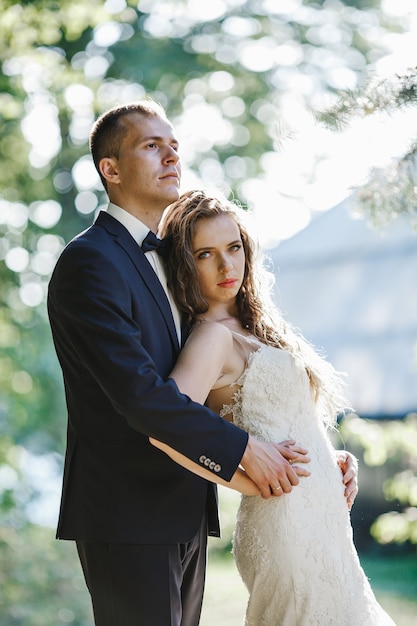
{"x":116,"y":342}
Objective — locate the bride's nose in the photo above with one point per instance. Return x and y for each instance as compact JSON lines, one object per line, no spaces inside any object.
{"x":225,"y":264}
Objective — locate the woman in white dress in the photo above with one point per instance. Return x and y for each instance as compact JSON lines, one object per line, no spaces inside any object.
{"x":294,"y":551}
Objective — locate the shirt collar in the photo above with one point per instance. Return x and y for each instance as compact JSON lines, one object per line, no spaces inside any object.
{"x":136,"y":228}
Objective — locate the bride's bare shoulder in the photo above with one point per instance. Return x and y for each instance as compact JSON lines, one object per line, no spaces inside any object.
{"x":214,"y":329}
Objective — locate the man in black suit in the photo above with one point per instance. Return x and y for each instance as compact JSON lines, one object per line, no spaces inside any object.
{"x":140,"y":520}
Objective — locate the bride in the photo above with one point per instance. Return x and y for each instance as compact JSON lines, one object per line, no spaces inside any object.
{"x":294,"y":552}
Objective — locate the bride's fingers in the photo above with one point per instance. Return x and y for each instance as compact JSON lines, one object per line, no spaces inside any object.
{"x":299,"y":449}
{"x":299,"y":458}
{"x":301,"y":471}
{"x":294,"y":455}
{"x":290,"y":449}
{"x":290,"y":444}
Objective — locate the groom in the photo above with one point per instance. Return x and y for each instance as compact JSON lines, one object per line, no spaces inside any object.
{"x":139,"y":520}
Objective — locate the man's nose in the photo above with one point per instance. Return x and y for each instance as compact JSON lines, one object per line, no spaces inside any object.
{"x":171,"y":155}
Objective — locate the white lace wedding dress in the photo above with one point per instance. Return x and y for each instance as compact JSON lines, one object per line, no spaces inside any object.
{"x":295,"y":552}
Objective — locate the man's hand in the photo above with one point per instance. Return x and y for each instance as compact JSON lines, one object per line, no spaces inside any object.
{"x":349,"y":466}
{"x":270,"y":467}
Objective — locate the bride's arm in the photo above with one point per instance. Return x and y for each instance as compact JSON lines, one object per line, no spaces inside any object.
{"x":199,"y":368}
{"x":202,"y":361}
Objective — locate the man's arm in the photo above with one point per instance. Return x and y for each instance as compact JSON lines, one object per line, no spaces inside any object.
{"x":240,"y":481}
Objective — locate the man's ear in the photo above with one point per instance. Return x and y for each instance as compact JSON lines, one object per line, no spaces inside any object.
{"x":109,"y":170}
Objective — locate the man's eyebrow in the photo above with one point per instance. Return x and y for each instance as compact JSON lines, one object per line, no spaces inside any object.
{"x":157,"y":138}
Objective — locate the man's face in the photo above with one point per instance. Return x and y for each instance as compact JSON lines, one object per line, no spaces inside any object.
{"x":147,"y":171}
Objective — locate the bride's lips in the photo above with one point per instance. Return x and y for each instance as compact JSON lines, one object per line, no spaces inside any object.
{"x":229,"y":282}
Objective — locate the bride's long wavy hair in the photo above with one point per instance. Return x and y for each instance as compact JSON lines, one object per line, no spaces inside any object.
{"x":255,"y":308}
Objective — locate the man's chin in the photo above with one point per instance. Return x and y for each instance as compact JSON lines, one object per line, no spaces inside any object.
{"x":173,"y":195}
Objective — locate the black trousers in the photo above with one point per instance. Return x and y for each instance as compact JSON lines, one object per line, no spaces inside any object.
{"x":146,"y":585}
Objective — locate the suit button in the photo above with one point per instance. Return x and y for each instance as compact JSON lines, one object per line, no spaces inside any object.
{"x":202,"y":458}
{"x":217,"y":467}
{"x":207,"y":462}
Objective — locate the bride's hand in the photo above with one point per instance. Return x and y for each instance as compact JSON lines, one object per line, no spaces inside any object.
{"x":349,"y":466}
{"x":294,"y":453}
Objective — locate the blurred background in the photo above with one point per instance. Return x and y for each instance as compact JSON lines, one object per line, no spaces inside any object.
{"x":303,"y":111}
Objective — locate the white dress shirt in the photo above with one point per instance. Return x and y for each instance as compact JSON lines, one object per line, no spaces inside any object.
{"x":138,"y":230}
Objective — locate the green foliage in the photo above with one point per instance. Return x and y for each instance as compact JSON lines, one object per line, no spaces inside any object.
{"x":40,"y":580}
{"x":391,"y":190}
{"x":395,"y":573}
{"x":386,"y":95}
{"x":394,"y":443}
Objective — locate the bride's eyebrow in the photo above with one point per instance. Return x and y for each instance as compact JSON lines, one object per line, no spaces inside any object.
{"x":203,"y":248}
{"x":232,"y":243}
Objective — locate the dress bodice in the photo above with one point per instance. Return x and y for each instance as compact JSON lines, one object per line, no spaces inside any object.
{"x":274,"y":381}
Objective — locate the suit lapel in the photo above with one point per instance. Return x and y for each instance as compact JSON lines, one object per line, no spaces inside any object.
{"x":124,"y":239}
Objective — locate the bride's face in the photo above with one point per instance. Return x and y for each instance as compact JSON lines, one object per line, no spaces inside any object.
{"x":219,"y":257}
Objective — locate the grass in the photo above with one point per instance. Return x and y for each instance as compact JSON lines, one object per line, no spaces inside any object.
{"x":225,"y":596}
{"x":393,"y":579}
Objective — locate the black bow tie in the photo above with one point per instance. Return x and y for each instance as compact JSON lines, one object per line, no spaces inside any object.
{"x":151,"y":242}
